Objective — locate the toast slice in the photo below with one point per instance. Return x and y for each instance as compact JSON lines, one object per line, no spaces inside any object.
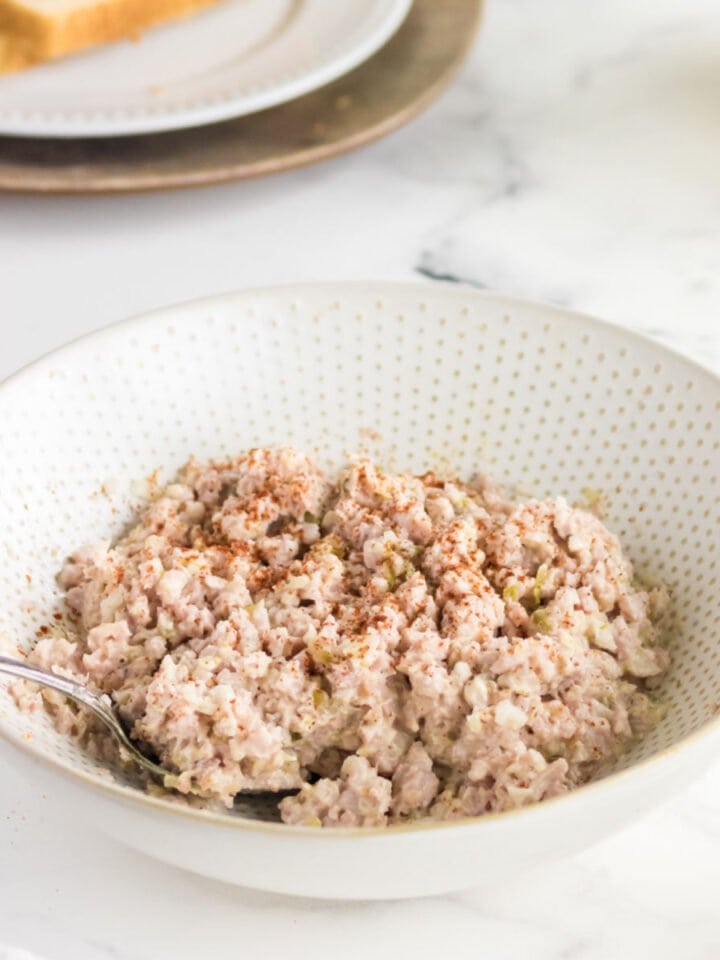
{"x":32,"y":31}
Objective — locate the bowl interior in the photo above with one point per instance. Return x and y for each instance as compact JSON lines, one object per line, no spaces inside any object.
{"x":420,"y":377}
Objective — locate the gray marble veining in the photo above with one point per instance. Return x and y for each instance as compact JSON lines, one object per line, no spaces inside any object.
{"x":576,"y":159}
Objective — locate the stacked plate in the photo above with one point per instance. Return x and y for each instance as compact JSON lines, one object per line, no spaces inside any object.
{"x":247,"y":88}
{"x":234,"y":59}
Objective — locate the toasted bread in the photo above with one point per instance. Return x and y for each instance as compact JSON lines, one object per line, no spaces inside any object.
{"x":33,"y":31}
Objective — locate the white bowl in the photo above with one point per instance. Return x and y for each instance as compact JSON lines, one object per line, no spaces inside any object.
{"x":427,"y":376}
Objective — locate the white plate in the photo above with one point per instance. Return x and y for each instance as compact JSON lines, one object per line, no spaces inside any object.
{"x":234,"y":59}
{"x":423,"y":377}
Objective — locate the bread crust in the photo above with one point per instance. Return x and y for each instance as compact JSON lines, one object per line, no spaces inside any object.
{"x":28,"y":37}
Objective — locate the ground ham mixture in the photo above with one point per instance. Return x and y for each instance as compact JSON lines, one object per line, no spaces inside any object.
{"x":387,"y":646}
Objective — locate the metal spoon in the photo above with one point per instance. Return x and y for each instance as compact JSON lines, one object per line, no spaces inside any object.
{"x":99,"y":704}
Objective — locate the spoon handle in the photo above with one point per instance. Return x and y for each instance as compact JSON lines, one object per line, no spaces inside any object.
{"x":26,"y":671}
{"x":99,"y":705}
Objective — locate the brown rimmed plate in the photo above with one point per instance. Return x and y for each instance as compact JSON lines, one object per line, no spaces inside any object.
{"x":385,"y":92}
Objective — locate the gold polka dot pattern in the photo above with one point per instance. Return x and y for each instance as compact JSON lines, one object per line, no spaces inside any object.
{"x":419,"y":377}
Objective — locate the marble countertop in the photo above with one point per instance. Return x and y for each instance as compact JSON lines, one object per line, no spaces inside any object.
{"x":575,"y":160}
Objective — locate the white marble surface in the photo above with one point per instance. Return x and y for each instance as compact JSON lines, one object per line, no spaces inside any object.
{"x":576,"y":159}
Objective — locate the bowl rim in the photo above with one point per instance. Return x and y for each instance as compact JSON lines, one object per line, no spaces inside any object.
{"x":138,"y":798}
